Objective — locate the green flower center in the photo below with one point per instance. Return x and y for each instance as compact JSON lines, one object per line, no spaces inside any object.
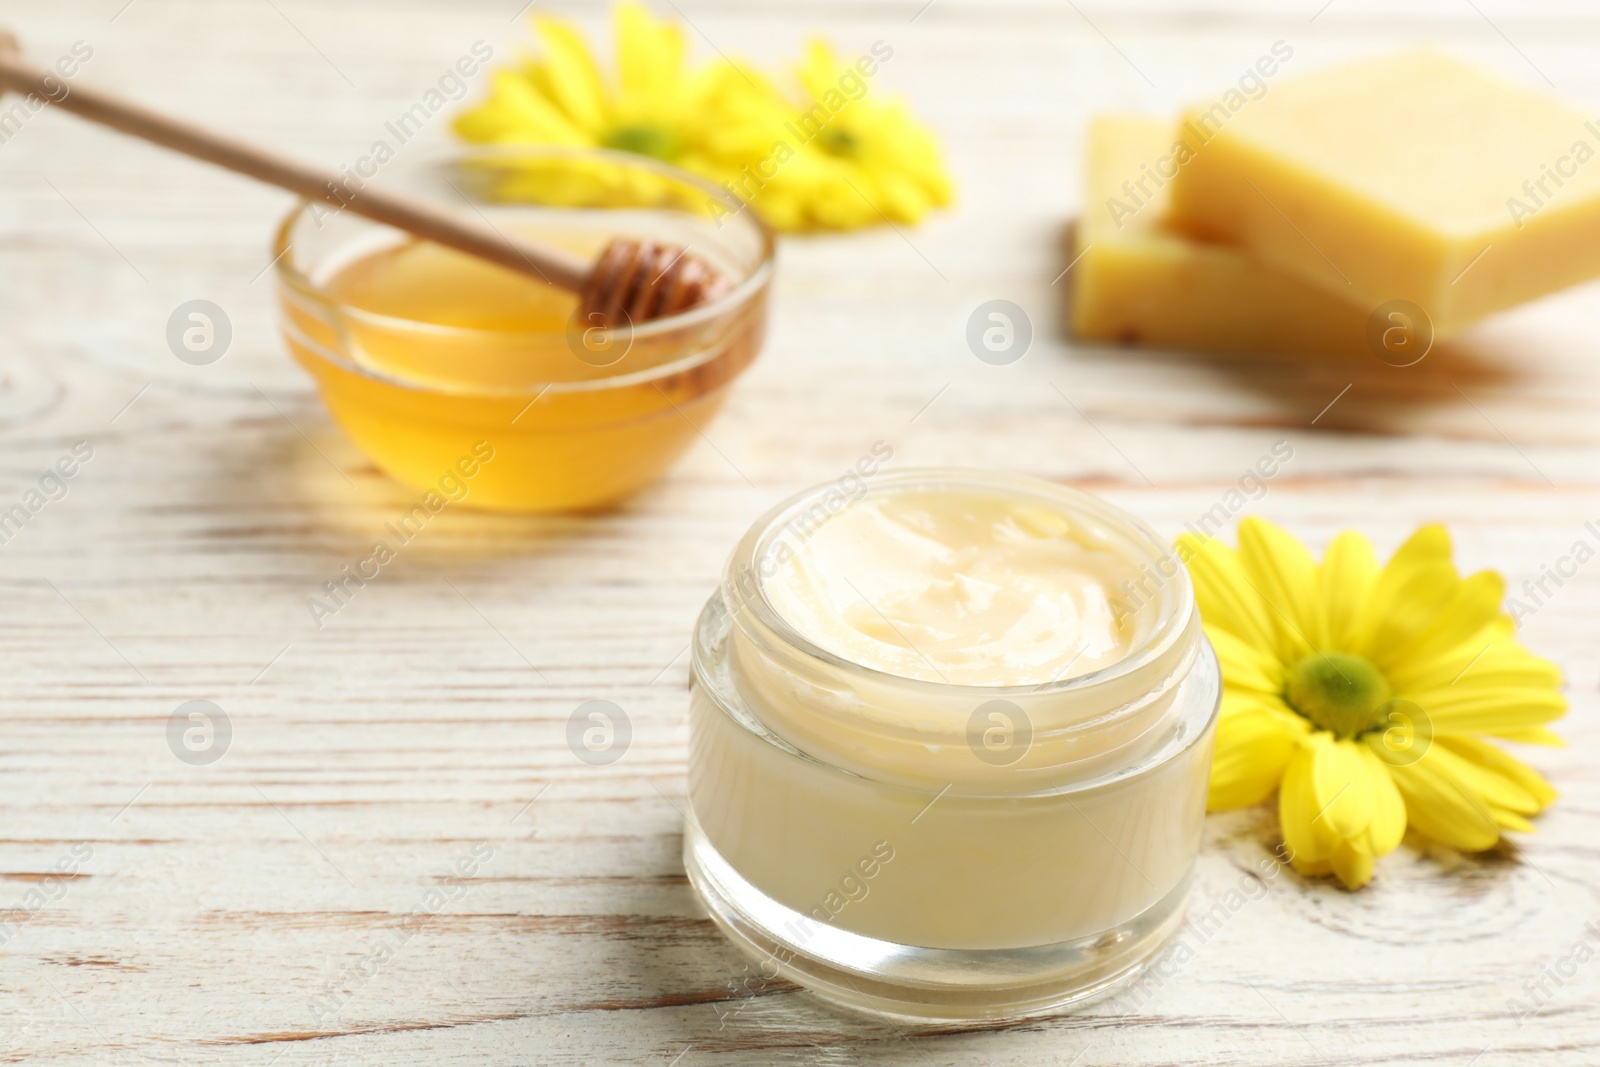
{"x":1339,"y":692}
{"x":839,"y":142}
{"x":645,"y":139}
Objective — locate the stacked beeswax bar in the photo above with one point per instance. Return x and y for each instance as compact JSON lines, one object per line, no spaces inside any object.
{"x":1290,"y":221}
{"x":1138,"y":281}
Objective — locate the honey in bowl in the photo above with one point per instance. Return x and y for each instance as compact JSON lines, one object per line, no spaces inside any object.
{"x":429,"y":283}
{"x":426,"y":356}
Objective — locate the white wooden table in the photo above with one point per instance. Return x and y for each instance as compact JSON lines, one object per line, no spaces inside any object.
{"x":292,"y":903}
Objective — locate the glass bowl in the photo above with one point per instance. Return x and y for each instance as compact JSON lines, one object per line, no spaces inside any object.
{"x":434,"y":363}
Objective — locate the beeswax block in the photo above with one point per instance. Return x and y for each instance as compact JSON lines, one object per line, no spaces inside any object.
{"x":1413,"y":177}
{"x":1137,"y":281}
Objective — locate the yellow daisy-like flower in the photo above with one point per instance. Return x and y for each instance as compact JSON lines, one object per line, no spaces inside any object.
{"x":1363,"y":695}
{"x":865,"y":159}
{"x":836,"y":159}
{"x":658,"y":106}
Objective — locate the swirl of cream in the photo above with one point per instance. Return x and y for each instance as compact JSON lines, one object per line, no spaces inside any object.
{"x":959,"y":587}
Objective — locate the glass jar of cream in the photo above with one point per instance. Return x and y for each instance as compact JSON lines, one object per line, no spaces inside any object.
{"x":950,"y":738}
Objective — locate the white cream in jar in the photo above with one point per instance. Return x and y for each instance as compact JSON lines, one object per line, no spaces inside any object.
{"x":959,"y":587}
{"x":950,"y":741}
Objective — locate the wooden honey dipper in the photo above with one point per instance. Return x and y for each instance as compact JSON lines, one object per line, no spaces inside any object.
{"x":631,"y":281}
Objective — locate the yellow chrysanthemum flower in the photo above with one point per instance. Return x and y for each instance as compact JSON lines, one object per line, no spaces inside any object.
{"x":658,"y":106}
{"x":838,"y":159}
{"x":1363,"y":694}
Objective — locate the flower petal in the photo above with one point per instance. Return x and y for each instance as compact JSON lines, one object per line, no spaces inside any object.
{"x":1244,"y":666}
{"x":1506,"y":766}
{"x":1417,"y":602}
{"x":1537,"y":735}
{"x":1286,"y":578}
{"x":1297,"y":808}
{"x":1481,"y":709}
{"x":1326,"y":798}
{"x":516,"y":113}
{"x":1490,"y":658}
{"x":1344,"y":791}
{"x":1348,"y":572}
{"x":1388,"y":825}
{"x":1223,"y":591}
{"x":1475,"y":605}
{"x":570,"y":72}
{"x":900,"y":197}
{"x":819,"y":70}
{"x":1510,"y":820}
{"x":1444,"y":809}
{"x":1256,"y":735}
{"x":1417,"y":566}
{"x":1429,"y":544}
{"x":1352,"y":864}
{"x":649,"y":64}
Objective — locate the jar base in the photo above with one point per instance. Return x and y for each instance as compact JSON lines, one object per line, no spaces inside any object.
{"x":923,"y":985}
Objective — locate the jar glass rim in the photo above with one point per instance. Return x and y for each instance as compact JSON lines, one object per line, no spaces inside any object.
{"x":735,"y":705}
{"x":1176,"y":604}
